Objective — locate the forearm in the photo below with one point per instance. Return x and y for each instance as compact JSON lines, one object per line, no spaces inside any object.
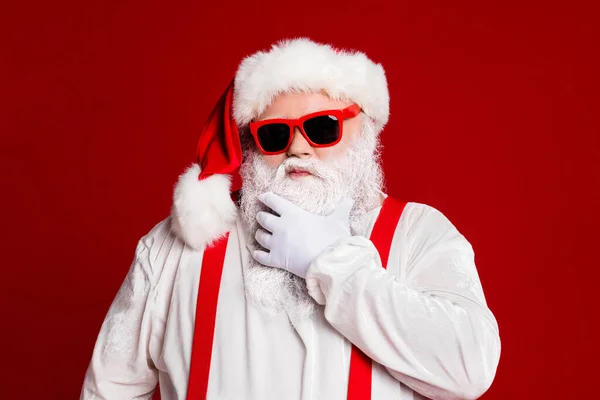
{"x":439,"y":344}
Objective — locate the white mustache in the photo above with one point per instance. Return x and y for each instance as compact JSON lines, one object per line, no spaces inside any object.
{"x":311,"y":166}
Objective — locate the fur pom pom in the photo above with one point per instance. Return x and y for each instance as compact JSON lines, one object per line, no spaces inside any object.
{"x":202,"y":210}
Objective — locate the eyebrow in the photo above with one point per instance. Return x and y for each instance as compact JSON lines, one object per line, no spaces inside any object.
{"x":285,"y":116}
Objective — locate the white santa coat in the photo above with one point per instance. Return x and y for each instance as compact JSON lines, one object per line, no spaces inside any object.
{"x":424,"y":321}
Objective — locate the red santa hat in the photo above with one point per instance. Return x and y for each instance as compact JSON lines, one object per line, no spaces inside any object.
{"x":203,"y":209}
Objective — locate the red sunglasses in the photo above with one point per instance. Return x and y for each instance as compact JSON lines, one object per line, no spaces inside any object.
{"x":320,"y":129}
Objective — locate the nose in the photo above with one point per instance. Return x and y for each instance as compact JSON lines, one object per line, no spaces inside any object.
{"x":300,"y":147}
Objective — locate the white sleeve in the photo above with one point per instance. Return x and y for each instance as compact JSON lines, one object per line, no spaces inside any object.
{"x":429,"y":326}
{"x":121,"y":367}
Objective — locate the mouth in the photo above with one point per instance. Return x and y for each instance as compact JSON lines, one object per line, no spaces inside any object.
{"x":297,"y":173}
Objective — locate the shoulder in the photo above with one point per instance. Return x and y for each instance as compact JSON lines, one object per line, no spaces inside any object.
{"x":161,"y":249}
{"x":423,"y":226}
{"x":415,"y":214}
{"x":414,"y":217}
{"x":424,"y":216}
{"x":439,"y":258}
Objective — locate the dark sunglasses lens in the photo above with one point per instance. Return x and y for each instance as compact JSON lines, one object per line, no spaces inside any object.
{"x":322,"y":130}
{"x":273,"y":137}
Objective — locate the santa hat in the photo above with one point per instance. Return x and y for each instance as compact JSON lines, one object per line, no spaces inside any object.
{"x":203,"y":209}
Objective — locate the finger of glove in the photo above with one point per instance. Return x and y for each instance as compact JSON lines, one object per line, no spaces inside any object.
{"x":267,"y":220}
{"x":262,"y":257}
{"x":276,"y":203}
{"x":264,"y":238}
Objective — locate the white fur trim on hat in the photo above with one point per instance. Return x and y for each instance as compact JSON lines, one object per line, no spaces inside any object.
{"x":202,"y":211}
{"x":306,"y":66}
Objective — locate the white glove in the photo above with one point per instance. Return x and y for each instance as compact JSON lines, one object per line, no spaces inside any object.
{"x":297,"y":237}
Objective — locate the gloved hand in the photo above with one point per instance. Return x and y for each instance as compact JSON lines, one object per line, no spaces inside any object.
{"x":296,"y":237}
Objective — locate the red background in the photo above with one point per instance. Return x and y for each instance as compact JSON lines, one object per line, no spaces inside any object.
{"x":493,"y":121}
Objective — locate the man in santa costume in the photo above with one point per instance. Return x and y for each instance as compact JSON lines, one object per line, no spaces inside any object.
{"x":284,"y":272}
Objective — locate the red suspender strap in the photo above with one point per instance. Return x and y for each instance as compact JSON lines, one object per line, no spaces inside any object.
{"x":359,"y":387}
{"x":359,"y":382}
{"x":206,"y":313}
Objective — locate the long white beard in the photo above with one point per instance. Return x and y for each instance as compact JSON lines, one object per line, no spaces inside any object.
{"x":357,"y":175}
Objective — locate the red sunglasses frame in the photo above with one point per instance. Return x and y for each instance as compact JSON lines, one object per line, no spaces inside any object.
{"x":341,"y":115}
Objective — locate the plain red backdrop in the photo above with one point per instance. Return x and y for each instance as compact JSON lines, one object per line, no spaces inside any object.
{"x":494,"y":121}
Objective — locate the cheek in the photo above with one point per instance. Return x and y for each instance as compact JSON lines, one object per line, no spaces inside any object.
{"x":273,"y":161}
{"x":331,"y":153}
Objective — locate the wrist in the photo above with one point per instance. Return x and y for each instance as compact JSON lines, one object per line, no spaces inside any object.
{"x":335,"y":264}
